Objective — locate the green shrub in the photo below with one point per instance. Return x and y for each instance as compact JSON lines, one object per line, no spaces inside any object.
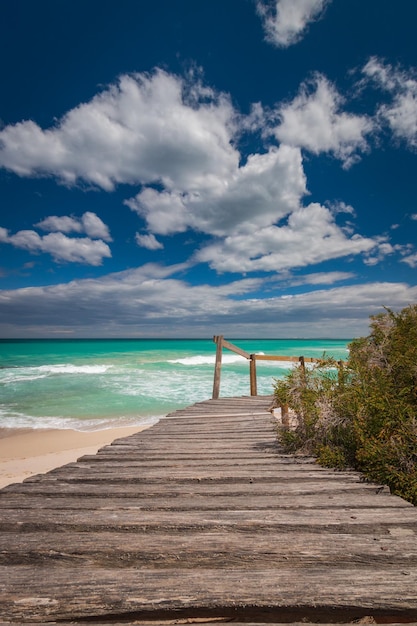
{"x":290,"y":440}
{"x":362,"y":413}
{"x":332,"y":456}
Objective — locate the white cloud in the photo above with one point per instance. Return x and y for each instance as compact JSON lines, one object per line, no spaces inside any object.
{"x":148,"y":241}
{"x":285,"y":21}
{"x":63,"y":224}
{"x":94,"y":227}
{"x":309,"y":236}
{"x":340,"y":207}
{"x":4,"y":234}
{"x":89,"y":250}
{"x":321,"y":278}
{"x":401,"y":113}
{"x":410,"y":260}
{"x":147,"y":128}
{"x":59,"y":246}
{"x":256,"y":218}
{"x":150,"y":301}
{"x":268,"y":187}
{"x":384,"y":249}
{"x":314,"y":121}
{"x":177,"y":139}
{"x":89,"y":223}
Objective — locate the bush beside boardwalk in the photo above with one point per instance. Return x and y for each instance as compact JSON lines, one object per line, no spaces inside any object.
{"x":362,"y":413}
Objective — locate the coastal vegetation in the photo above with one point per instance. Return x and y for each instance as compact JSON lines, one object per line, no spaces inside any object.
{"x":361,"y":413}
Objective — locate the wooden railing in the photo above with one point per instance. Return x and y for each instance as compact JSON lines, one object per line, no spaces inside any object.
{"x":252,"y":358}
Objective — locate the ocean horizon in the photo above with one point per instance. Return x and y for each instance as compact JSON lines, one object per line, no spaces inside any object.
{"x":94,"y":384}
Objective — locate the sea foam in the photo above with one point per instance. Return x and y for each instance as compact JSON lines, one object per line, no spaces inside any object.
{"x":208,"y":359}
{"x":26,"y":374}
{"x":68,"y":368}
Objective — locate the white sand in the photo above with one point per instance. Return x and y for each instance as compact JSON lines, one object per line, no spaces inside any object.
{"x":25,"y":453}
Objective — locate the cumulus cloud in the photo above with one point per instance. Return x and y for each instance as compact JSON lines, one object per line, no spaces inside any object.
{"x":257,"y":220}
{"x":340,"y":207}
{"x":177,"y":139}
{"x":309,"y":236}
{"x":384,"y":249}
{"x":89,"y":223}
{"x":59,"y":246}
{"x":89,"y":250}
{"x":401,"y":113}
{"x":314,"y":121}
{"x":410,"y":260}
{"x":148,"y":241}
{"x":268,"y":187}
{"x":285,"y":21}
{"x":152,"y":301}
{"x":146,"y":128}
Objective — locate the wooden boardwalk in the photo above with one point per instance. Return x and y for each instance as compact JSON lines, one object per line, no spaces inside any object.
{"x":203,"y":518}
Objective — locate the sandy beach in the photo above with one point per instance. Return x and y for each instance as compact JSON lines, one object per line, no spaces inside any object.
{"x":24,"y":453}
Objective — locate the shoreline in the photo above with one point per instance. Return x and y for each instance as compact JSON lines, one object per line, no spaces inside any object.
{"x":25,"y":453}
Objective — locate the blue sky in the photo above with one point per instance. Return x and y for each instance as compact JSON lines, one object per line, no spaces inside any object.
{"x":191,"y":167}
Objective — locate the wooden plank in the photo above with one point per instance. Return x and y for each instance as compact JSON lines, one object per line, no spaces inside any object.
{"x":339,"y":520}
{"x":126,"y":474}
{"x":71,"y":592}
{"x":206,"y":549}
{"x":214,"y":617}
{"x":68,"y":489}
{"x":263,"y":449}
{"x":178,"y":501}
{"x":113,"y":461}
{"x":218,"y":619}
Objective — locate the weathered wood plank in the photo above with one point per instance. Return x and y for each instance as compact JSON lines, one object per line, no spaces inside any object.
{"x":195,"y":437}
{"x":68,"y":593}
{"x":132,"y":454}
{"x":126,"y":474}
{"x":190,"y":461}
{"x":177,"y":501}
{"x":219,"y":619}
{"x":198,"y":473}
{"x":339,"y":520}
{"x":207,"y":549}
{"x":68,"y":489}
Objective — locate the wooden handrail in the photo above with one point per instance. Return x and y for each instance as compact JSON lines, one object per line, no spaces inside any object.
{"x":294,"y":359}
{"x":252,"y":358}
{"x":233,"y":348}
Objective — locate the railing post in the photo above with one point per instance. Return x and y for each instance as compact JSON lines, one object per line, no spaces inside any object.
{"x":285,"y":415}
{"x":303,"y":369}
{"x":252,"y":370}
{"x":218,"y":339}
{"x":340,"y":374}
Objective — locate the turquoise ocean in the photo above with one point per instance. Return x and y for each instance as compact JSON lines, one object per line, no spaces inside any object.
{"x":92,"y":384}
